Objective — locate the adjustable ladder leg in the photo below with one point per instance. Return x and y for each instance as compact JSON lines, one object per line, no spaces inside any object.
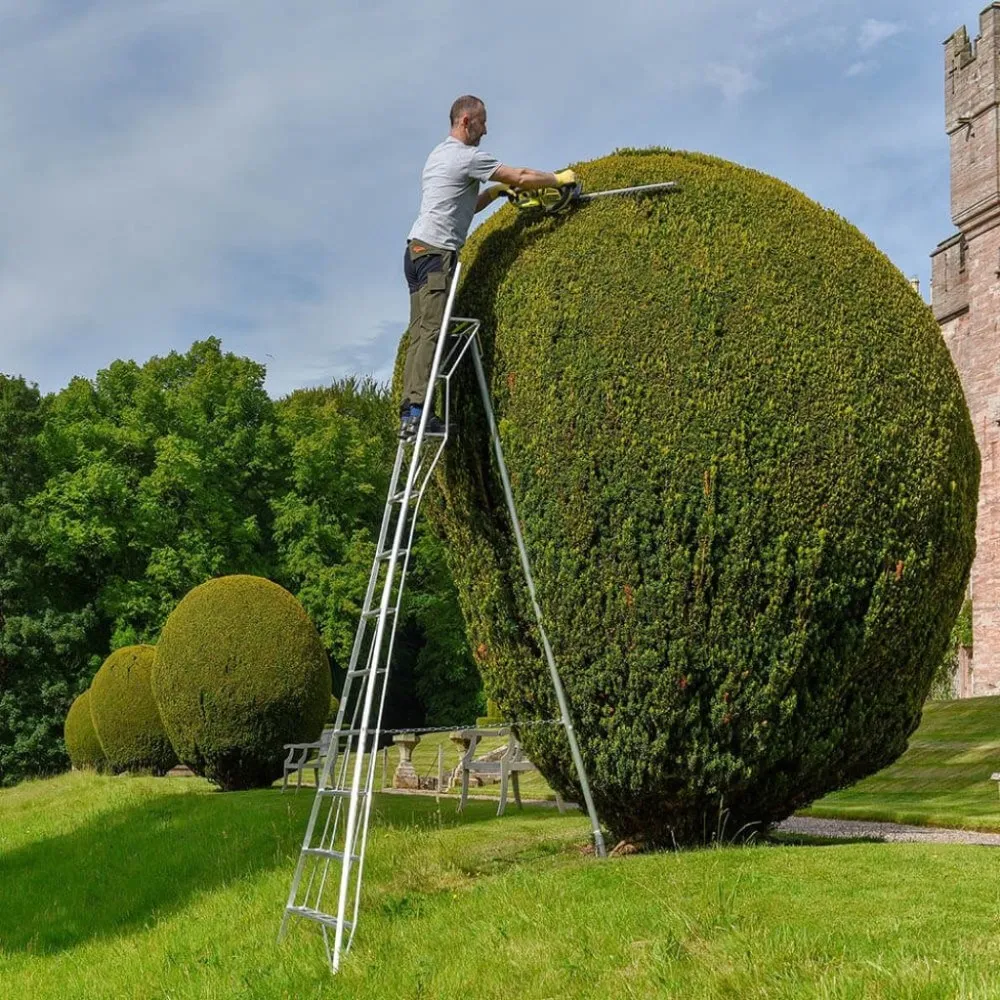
{"x":581,"y":771}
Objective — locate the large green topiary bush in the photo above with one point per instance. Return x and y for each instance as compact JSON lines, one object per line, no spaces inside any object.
{"x":125,"y":715}
{"x":240,"y":670}
{"x":82,"y":744}
{"x":747,"y":478}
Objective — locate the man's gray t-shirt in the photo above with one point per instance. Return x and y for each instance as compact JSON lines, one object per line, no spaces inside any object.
{"x":450,"y":182}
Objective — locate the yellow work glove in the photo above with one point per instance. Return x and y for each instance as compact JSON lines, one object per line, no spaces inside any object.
{"x":500,"y":191}
{"x":565,"y":177}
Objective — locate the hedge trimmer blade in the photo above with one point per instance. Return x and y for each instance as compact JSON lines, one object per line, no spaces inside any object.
{"x":555,"y":200}
{"x":640,"y":190}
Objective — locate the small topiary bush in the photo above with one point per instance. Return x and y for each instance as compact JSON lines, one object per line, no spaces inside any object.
{"x":747,"y":478}
{"x":82,"y":744}
{"x":125,"y":715}
{"x":240,"y":670}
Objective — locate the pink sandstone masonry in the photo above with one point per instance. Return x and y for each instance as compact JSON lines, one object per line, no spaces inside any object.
{"x":965,"y":275}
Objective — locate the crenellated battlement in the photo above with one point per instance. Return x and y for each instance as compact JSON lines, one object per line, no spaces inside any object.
{"x":972,"y":121}
{"x":971,"y":70}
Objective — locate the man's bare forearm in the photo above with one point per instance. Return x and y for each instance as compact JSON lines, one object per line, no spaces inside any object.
{"x":532,"y":180}
{"x":524,"y":178}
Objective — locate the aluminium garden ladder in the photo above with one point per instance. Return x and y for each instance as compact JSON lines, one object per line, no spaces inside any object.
{"x":326,"y":887}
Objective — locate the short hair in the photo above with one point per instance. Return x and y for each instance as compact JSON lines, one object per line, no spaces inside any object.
{"x":465,"y":105}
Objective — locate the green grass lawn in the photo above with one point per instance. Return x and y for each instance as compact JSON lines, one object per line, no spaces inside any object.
{"x":941,"y":780}
{"x":161,"y":888}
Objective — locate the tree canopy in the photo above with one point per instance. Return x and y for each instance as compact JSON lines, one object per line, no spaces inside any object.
{"x":121,"y":493}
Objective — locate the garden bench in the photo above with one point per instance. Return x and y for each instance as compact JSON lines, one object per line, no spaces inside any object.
{"x":508,"y":767}
{"x":305,"y":755}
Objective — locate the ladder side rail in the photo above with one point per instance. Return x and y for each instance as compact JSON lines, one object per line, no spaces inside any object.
{"x":335,"y":808}
{"x":370,"y":777}
{"x":425,"y":478}
{"x":333,"y":753}
{"x":372,"y":584}
{"x":460,"y":350}
{"x":317,"y":805}
{"x":455,"y":357}
{"x":567,"y":721}
{"x":361,"y":633}
{"x":352,"y":811}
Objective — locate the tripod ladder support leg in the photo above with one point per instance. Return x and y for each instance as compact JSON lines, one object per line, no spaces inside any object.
{"x":581,"y":771}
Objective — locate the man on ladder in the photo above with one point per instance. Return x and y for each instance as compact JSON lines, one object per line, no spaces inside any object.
{"x":331,"y":863}
{"x":450,"y":198}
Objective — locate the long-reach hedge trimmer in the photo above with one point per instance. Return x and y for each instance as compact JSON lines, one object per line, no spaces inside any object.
{"x":554,"y":200}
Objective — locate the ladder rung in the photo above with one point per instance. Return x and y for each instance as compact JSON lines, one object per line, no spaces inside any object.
{"x":339,"y":733}
{"x":377,"y":611}
{"x":341,"y":792}
{"x":387,"y":554}
{"x":363,"y":671}
{"x":321,"y":918}
{"x":326,"y":852}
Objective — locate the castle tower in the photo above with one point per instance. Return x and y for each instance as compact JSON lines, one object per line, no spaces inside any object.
{"x":965,"y":275}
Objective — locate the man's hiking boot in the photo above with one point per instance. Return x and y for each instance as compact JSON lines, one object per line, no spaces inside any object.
{"x":411,"y":422}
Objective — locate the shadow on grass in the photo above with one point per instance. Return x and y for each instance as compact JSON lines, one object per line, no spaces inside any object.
{"x":811,"y":840}
{"x":131,"y":867}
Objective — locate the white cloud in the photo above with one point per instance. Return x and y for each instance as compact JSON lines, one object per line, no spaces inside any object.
{"x":875,"y":32}
{"x":861,"y":67}
{"x":181,"y":168}
{"x":732,"y":81}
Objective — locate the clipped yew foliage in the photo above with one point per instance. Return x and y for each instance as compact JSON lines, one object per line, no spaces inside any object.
{"x":82,"y":744}
{"x":125,"y":715}
{"x":240,"y":670}
{"x":747,"y":478}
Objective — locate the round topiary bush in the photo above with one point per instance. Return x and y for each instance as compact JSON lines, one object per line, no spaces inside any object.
{"x":125,"y":715}
{"x":747,"y":478}
{"x":82,"y":744}
{"x":240,"y":670}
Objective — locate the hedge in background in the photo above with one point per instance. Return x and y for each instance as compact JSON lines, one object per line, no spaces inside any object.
{"x":748,"y":482}
{"x":240,"y":670}
{"x":125,"y":715}
{"x":82,"y":744}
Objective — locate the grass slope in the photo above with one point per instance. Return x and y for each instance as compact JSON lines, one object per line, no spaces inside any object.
{"x":160,"y":888}
{"x":941,"y":780}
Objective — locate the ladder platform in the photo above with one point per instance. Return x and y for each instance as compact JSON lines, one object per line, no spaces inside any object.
{"x":342,"y":792}
{"x":321,"y":918}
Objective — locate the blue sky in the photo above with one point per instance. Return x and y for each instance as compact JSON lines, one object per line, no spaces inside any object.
{"x":175,"y":169}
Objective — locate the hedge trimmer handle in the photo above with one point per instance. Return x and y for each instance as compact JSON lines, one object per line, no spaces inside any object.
{"x":551,"y":200}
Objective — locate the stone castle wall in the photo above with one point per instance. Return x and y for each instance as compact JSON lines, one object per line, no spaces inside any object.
{"x":966,"y":300}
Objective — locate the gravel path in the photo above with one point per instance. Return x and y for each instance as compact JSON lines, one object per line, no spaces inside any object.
{"x":896,"y":832}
